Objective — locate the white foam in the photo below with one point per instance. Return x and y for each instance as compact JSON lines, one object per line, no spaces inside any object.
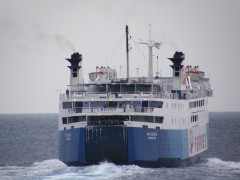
{"x":104,"y":170}
{"x":38,"y":169}
{"x":56,"y":170}
{"x":218,"y":163}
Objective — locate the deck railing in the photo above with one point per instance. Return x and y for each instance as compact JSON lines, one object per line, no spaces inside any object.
{"x":111,"y":95}
{"x":132,"y":94}
{"x":105,"y":122}
{"x":102,"y":110}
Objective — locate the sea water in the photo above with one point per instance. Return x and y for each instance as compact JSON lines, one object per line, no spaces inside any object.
{"x":28,"y":150}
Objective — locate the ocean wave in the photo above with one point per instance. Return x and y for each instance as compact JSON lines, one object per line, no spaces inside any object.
{"x":104,"y":170}
{"x":55,"y":170}
{"x":38,"y":169}
{"x":218,"y":163}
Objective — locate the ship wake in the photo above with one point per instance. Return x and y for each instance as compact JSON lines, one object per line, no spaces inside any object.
{"x":56,"y":170}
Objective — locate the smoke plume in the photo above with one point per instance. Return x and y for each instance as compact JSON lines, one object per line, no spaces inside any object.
{"x":61,"y":41}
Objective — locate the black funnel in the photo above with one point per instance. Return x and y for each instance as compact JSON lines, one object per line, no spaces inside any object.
{"x":76,"y":58}
{"x":177,"y":59}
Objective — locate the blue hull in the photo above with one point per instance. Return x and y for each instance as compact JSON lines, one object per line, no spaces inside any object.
{"x":122,"y":145}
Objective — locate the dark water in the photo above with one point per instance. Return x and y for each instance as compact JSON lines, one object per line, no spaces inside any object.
{"x":28,"y":150}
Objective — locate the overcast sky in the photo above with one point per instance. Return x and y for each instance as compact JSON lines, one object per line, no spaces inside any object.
{"x":37,"y":36}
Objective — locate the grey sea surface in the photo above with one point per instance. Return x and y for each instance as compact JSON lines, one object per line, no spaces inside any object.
{"x":28,"y":150}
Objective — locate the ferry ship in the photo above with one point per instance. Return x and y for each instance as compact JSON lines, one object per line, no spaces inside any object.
{"x":150,"y":122}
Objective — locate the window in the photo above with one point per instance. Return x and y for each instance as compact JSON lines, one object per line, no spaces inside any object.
{"x":74,"y":72}
{"x":148,"y":119}
{"x":108,"y":118}
{"x":142,"y":118}
{"x":67,"y":105}
{"x":79,"y":104}
{"x":64,"y":120}
{"x":194,"y":118}
{"x":73,"y":119}
{"x":112,"y":104}
{"x":156,"y":104}
{"x":157,"y":127}
{"x":159,"y":119}
{"x":177,"y":69}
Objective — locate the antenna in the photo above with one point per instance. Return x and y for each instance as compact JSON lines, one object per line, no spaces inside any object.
{"x":137,"y":71}
{"x":120,"y":71}
{"x":150,"y":45}
{"x":127,"y":50}
{"x":157,"y":67}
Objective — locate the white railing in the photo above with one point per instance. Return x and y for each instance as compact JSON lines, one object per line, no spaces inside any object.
{"x":102,"y":110}
{"x":64,"y":96}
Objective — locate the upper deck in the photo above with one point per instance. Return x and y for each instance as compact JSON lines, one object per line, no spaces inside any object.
{"x":159,"y":88}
